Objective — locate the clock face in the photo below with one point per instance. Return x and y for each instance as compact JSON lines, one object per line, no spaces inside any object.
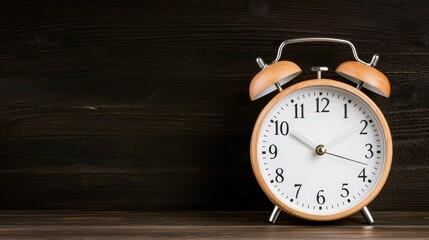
{"x":320,"y":151}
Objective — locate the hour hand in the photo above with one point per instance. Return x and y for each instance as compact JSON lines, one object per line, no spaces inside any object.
{"x":303,"y":139}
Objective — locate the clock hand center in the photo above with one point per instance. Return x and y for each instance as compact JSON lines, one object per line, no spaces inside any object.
{"x":320,"y":149}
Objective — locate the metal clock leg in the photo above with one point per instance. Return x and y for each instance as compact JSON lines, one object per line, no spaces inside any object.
{"x":367,"y":215}
{"x":275,"y":214}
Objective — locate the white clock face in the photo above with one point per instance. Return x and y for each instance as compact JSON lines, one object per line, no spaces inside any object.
{"x":321,"y":150}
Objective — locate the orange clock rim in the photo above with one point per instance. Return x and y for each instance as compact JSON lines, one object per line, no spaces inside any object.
{"x":378,"y":114}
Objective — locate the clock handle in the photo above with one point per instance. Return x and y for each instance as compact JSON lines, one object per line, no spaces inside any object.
{"x":362,"y":73}
{"x":367,"y":215}
{"x":274,"y":215}
{"x":304,"y":40}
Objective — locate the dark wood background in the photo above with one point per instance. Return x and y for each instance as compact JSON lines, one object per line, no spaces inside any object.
{"x":143,"y":105}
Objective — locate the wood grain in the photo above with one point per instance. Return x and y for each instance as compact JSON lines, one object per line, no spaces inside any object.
{"x":204,"y":225}
{"x":144,"y":105}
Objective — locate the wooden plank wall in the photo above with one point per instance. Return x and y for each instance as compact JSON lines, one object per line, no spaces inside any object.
{"x":143,"y":105}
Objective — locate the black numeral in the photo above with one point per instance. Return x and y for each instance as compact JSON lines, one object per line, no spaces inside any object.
{"x":369,"y":145}
{"x":362,"y":175}
{"x":326,"y":105}
{"x":365,"y":125}
{"x":345,"y":110}
{"x":282,"y":128}
{"x":299,"y":188}
{"x":279,"y":177}
{"x":273,"y":150}
{"x":297,"y":111}
{"x":320,"y":198}
{"x":344,"y":189}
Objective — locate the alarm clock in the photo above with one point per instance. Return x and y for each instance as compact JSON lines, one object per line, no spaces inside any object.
{"x":321,"y":149}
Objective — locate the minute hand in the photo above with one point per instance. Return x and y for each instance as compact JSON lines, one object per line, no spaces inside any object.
{"x":341,"y":137}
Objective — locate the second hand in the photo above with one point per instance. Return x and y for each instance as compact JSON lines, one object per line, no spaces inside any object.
{"x":320,"y":150}
{"x":346,"y":158}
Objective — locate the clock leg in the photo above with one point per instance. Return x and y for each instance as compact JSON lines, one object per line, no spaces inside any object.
{"x":275,"y":214}
{"x":367,"y":215}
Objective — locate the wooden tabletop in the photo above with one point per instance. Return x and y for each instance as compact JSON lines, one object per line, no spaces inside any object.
{"x":204,"y":225}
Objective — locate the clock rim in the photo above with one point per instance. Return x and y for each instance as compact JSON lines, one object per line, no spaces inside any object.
{"x":378,"y":114}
